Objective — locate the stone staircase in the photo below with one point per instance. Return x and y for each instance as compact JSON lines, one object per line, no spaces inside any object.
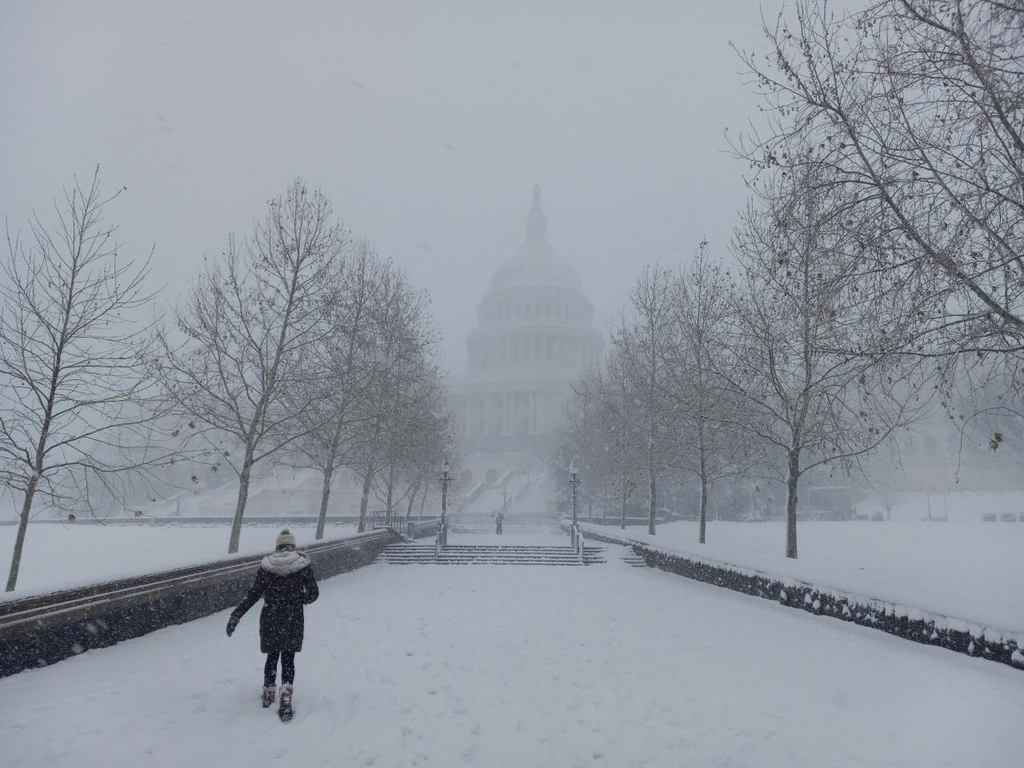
{"x":488,"y":554}
{"x":477,"y":524}
{"x":633,"y":559}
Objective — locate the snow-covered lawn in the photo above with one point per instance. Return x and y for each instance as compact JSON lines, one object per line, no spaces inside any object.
{"x":970,"y":571}
{"x":958,"y":505}
{"x":58,"y":556}
{"x":523,"y":666}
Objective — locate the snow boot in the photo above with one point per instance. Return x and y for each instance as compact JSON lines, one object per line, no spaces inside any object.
{"x":285,"y":710}
{"x":268,"y":696}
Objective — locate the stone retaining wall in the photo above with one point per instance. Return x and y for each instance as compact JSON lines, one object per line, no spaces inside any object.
{"x":903,"y":621}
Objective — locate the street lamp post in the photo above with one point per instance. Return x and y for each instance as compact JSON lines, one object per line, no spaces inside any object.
{"x":445,"y":480}
{"x":574,"y":482}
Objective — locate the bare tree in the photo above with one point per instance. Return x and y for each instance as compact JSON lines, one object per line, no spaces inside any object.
{"x":641,"y":343}
{"x":431,"y":436}
{"x":983,"y":403}
{"x":620,"y":434}
{"x":418,"y":432}
{"x":70,"y":392}
{"x":402,"y":354}
{"x":579,"y":439}
{"x":343,"y":371}
{"x":799,"y":311}
{"x":916,"y":107}
{"x":249,"y":325}
{"x":408,"y":431}
{"x":708,"y":443}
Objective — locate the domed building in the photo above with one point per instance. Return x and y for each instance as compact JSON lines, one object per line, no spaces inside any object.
{"x":535,"y":334}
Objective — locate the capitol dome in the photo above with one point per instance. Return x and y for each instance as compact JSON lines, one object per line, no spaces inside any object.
{"x":534,"y":336}
{"x":536,"y":263}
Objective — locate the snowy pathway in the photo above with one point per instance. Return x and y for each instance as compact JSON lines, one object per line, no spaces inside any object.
{"x":523,"y":666}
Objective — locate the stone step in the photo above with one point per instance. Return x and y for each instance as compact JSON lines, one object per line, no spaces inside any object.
{"x":493,"y":554}
{"x":450,"y":556}
{"x":544,"y":564}
{"x":456,"y":549}
{"x":496,"y":548}
{"x":492,"y":558}
{"x":635,"y":560}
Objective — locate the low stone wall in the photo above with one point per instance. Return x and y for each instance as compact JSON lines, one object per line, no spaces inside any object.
{"x":41,"y":630}
{"x":903,"y":621}
{"x":616,"y":522}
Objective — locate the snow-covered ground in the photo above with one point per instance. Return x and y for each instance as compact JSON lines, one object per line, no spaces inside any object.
{"x":523,"y":666}
{"x":970,"y":571}
{"x":959,"y":505}
{"x":488,"y":500}
{"x":58,"y":556}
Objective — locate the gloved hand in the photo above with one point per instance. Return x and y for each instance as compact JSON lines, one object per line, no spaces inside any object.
{"x":232,"y":623}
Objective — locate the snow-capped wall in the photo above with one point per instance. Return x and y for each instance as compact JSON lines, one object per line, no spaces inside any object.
{"x":41,"y":630}
{"x":904,"y":621}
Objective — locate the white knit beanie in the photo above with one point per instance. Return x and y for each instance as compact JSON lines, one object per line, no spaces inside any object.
{"x":285,"y":539}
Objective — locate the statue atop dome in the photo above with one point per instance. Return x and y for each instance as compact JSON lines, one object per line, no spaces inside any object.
{"x":536,"y":222}
{"x":536,"y":263}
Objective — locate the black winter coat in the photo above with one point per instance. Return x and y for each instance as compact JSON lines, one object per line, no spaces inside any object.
{"x":286,"y":582}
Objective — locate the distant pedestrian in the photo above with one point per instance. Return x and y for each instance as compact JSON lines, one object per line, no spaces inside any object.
{"x":286,"y":582}
{"x":499,"y":517}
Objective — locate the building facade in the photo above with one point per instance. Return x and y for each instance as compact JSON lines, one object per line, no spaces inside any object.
{"x":534,"y":335}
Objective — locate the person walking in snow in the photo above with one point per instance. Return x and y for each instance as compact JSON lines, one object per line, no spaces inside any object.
{"x":499,"y":518}
{"x":286,"y":582}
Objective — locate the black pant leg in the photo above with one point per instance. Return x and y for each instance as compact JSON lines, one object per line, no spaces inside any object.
{"x":287,"y":667}
{"x":270,"y":670}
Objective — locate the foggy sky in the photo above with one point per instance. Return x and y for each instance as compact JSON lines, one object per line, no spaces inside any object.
{"x":427,"y":123}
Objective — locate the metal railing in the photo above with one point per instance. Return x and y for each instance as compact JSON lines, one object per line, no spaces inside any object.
{"x":387,"y":518}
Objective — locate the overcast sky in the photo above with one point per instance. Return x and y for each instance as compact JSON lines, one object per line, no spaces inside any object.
{"x":426,"y":122}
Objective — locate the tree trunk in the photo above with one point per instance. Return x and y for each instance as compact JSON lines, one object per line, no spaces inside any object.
{"x":792,"y":476}
{"x":367,"y":482}
{"x":412,"y":500}
{"x":625,"y":498}
{"x":19,"y":541}
{"x":325,"y":496}
{"x":703,"y":470}
{"x":243,"y":497}
{"x":328,"y":477}
{"x":703,"y":500}
{"x":423,"y":500}
{"x":391,"y":491}
{"x":652,"y":476}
